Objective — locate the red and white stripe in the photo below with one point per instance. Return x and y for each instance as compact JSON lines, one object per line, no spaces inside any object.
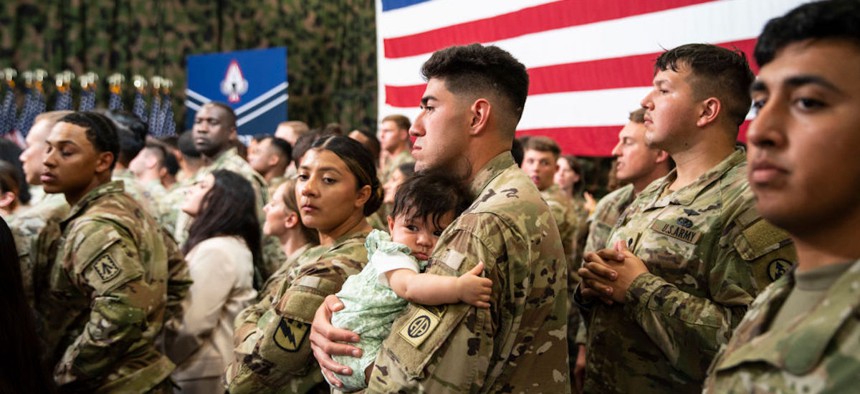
{"x":589,"y":62}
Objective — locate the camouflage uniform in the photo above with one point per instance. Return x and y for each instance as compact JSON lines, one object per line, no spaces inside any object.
{"x":171,"y":203}
{"x":276,"y":356}
{"x":601,"y":223}
{"x":229,"y":160}
{"x":107,"y":296}
{"x":155,"y":193}
{"x":709,"y":253}
{"x":520,"y":342}
{"x":26,"y":227}
{"x":817,"y":354}
{"x":393,"y":163}
{"x":137,"y":192}
{"x":275,"y":183}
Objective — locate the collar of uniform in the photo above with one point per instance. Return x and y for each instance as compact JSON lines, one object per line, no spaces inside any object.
{"x":551,"y":190}
{"x":348,"y":238}
{"x":123,"y":173}
{"x":688,"y":193}
{"x":225,"y":156}
{"x":98,"y":192}
{"x":490,"y":171}
{"x":799,"y":349}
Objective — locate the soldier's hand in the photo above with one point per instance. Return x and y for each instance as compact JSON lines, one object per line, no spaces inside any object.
{"x":325,"y":340}
{"x":473,"y":289}
{"x":625,"y":272}
{"x":596,"y":276}
{"x":579,"y":369}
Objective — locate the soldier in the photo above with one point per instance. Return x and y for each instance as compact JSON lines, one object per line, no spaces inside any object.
{"x":132,"y":138}
{"x":27,"y":225}
{"x":469,"y":112}
{"x":108,"y":286}
{"x":214,"y":133}
{"x":148,"y":169}
{"x":637,"y":166}
{"x":270,"y":158}
{"x":691,"y":252}
{"x":394,"y":137}
{"x":801,"y":334}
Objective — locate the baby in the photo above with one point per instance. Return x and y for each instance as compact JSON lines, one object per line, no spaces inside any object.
{"x":424,"y":206}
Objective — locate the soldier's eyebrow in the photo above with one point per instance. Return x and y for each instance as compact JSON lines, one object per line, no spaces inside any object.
{"x":61,"y":142}
{"x":801,"y":80}
{"x":425,"y":99}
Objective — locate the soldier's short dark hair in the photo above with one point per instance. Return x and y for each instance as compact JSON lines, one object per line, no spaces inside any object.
{"x":834,"y":20}
{"x":284,"y":149}
{"x":543,"y":144}
{"x":131,"y":132}
{"x":430,"y":195}
{"x":401,"y":121}
{"x":304,"y":142}
{"x":231,"y":115}
{"x":101,"y":131}
{"x":476,"y":70}
{"x":716,"y":72}
{"x":186,"y":145}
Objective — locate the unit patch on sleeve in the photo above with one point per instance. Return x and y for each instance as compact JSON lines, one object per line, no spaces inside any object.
{"x":290,"y":334}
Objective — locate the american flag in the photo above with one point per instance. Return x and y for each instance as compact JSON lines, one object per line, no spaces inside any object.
{"x":64,"y":99}
{"x":589,"y":62}
{"x":168,"y":124}
{"x":115,"y":100}
{"x":139,"y":107}
{"x":7,"y":112}
{"x":155,"y":118}
{"x":88,"y":99}
{"x":34,"y":104}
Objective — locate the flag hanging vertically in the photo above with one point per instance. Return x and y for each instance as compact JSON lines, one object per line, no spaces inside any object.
{"x":155,"y":118}
{"x":115,"y":85}
{"x":590,"y":62}
{"x":7,"y":108}
{"x":63,"y":82}
{"x":168,"y":124}
{"x":88,"y":92}
{"x":139,"y":106}
{"x":34,"y":102}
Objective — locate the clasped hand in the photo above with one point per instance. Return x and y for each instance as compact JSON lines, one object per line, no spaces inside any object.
{"x":608,"y":273}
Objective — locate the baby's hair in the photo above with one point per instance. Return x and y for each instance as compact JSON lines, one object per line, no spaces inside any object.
{"x":431,"y":195}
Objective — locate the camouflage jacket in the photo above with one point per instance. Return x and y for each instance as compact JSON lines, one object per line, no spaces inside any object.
{"x":818,"y":354}
{"x":393,"y":163}
{"x":520,"y":342}
{"x":709,"y":253}
{"x":229,"y":160}
{"x":276,"y":357}
{"x":137,"y":192}
{"x":605,"y":216}
{"x":107,"y":296}
{"x":26,"y":226}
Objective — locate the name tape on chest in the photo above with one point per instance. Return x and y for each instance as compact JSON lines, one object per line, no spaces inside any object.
{"x":421,"y":325}
{"x":676,"y":231}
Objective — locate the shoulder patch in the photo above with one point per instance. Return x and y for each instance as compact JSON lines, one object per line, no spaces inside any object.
{"x":421,"y":325}
{"x":106,"y":268}
{"x":290,"y":334}
{"x":777,"y":268}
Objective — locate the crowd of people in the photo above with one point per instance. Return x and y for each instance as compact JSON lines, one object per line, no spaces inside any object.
{"x":443,"y":254}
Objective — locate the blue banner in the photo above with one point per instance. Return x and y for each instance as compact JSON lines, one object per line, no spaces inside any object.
{"x":253,"y":83}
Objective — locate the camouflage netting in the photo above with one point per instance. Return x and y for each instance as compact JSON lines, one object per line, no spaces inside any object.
{"x":331,"y":45}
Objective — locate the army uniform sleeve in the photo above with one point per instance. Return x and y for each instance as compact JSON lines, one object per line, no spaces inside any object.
{"x":446,"y":348}
{"x":677,"y":321}
{"x":178,"y":283}
{"x":282,"y":350}
{"x":104,"y":262}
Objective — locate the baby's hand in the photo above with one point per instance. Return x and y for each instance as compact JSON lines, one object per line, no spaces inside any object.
{"x":473,"y":289}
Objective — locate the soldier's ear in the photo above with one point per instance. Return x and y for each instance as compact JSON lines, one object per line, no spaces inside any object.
{"x":104,"y":161}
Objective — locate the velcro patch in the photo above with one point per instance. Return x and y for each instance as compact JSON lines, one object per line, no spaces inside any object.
{"x":454,"y":259}
{"x":106,"y":268}
{"x":675,"y":231}
{"x":420,"y":326}
{"x":778,"y":268}
{"x":290,"y":334}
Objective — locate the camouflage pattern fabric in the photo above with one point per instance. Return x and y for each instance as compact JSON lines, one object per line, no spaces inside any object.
{"x":394,"y":163}
{"x":818,"y":354}
{"x":155,"y":193}
{"x":26,"y":226}
{"x":230,"y":160}
{"x":274,"y":184}
{"x":709,"y":253}
{"x":332,"y":69}
{"x":170,"y":204}
{"x":600,"y":225}
{"x":276,"y":357}
{"x":107,"y":296}
{"x":519,"y":344}
{"x":137,"y":192}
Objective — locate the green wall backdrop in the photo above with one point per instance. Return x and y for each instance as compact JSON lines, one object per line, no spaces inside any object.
{"x":331,"y":45}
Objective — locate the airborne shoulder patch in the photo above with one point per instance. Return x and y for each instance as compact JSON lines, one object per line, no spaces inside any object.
{"x":421,"y":325}
{"x":106,"y":268}
{"x":290,"y":334}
